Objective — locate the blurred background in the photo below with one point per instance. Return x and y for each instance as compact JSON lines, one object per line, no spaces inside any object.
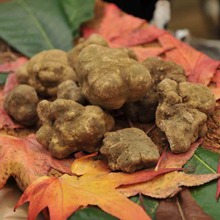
{"x":201,"y":21}
{"x":201,"y":17}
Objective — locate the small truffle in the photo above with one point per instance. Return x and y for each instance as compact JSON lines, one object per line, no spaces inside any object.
{"x":181,"y":114}
{"x":68,"y":127}
{"x":21,"y":105}
{"x":109,"y":77}
{"x":45,"y":71}
{"x":93,"y":39}
{"x":144,"y":109}
{"x":69,"y":90}
{"x":129,"y":149}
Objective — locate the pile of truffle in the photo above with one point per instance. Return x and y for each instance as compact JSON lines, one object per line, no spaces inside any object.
{"x":70,"y":96}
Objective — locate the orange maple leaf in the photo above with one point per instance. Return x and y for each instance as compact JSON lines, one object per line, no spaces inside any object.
{"x":26,"y":160}
{"x":170,"y":184}
{"x":92,"y":184}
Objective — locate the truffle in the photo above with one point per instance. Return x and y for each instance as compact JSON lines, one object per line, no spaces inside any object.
{"x":69,"y":90}
{"x":144,"y":109}
{"x":45,"y":71}
{"x":180,"y":113}
{"x":68,"y":127}
{"x":109,"y":77}
{"x":73,"y":54}
{"x":129,"y":149}
{"x":21,"y":105}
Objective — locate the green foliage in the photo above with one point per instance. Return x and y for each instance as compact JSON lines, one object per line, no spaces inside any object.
{"x":31,"y":26}
{"x":94,"y":213}
{"x":3,"y":77}
{"x":204,"y":162}
{"x":77,"y":12}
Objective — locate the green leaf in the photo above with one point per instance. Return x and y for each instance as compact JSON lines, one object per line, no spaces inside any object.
{"x":94,"y":213}
{"x":31,"y":26}
{"x":3,"y":77}
{"x":77,"y":12}
{"x":202,"y":162}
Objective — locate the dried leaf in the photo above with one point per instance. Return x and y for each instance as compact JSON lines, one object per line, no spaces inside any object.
{"x":212,"y":138}
{"x":181,"y":207}
{"x":11,"y":82}
{"x":167,"y":185}
{"x":5,"y":119}
{"x":93,"y":184}
{"x":145,"y":52}
{"x":26,"y":160}
{"x":199,"y":67}
{"x":216,"y":78}
{"x":218,"y":185}
{"x":216,"y":92}
{"x":123,"y":30}
{"x":169,"y":159}
{"x":13,"y":66}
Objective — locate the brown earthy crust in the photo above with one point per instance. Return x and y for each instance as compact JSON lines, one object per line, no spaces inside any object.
{"x":129,"y":149}
{"x":45,"y":71}
{"x":21,"y":105}
{"x":144,"y":109}
{"x":109,"y":77}
{"x":69,"y":127}
{"x":181,"y":112}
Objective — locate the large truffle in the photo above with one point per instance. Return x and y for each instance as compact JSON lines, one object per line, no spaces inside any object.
{"x":69,"y":127}
{"x":73,"y":54}
{"x":109,"y":77}
{"x":144,"y":109}
{"x":181,"y":114}
{"x":21,"y":105}
{"x":45,"y":71}
{"x":129,"y":149}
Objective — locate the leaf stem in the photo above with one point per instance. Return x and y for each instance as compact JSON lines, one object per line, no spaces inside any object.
{"x":205,"y":164}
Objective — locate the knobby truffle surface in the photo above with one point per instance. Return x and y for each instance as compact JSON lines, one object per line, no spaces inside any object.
{"x":144,"y":109}
{"x":68,"y":127}
{"x":129,"y":149}
{"x":70,"y":90}
{"x":182,"y":112}
{"x":45,"y":71}
{"x":109,"y":77}
{"x":21,"y":105}
{"x":73,"y":54}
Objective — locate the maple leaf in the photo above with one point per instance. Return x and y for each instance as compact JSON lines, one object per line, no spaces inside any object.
{"x":123,"y":30}
{"x":92,"y":184}
{"x":216,"y":92}
{"x":169,"y":159}
{"x":212,"y":137}
{"x":182,"y":207}
{"x":5,"y":119}
{"x":199,"y":67}
{"x":26,"y":160}
{"x":12,"y":66}
{"x":10,"y":83}
{"x":218,"y":185}
{"x":145,"y":52}
{"x":167,"y":185}
{"x":216,"y":78}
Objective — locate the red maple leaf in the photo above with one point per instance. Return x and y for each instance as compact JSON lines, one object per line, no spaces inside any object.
{"x":26,"y":160}
{"x":199,"y":67}
{"x":123,"y":30}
